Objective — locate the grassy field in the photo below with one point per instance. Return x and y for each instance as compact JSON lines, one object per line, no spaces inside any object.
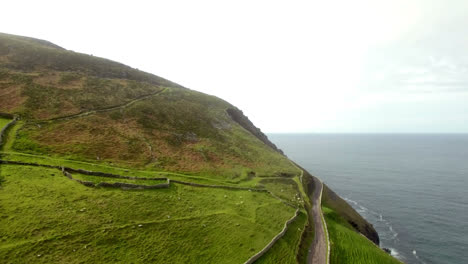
{"x":3,"y":122}
{"x":45,"y":160}
{"x":10,"y":136}
{"x":285,"y":250}
{"x":46,"y":218}
{"x":284,"y":188}
{"x":348,"y":246}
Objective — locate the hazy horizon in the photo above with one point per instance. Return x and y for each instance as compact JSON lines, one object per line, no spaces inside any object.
{"x":369,"y":133}
{"x":297,"y":67}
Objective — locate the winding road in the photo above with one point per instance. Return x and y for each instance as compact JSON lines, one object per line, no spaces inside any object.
{"x":319,"y":249}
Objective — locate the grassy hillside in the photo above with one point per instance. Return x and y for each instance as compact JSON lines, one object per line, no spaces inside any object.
{"x":331,"y":200}
{"x":91,"y":109}
{"x":348,"y":246}
{"x":352,"y":238}
{"x":94,"y":114}
{"x":47,"y":218}
{"x":224,"y":190}
{"x":286,"y":250}
{"x":3,"y":122}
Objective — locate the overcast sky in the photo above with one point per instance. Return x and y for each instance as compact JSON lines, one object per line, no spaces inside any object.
{"x":291,"y":66}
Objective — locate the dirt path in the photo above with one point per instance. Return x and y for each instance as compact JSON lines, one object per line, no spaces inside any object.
{"x":318,"y":250}
{"x":106,"y":109}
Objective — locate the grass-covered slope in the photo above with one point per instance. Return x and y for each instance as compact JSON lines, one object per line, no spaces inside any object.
{"x":4,"y":122}
{"x":352,"y":238}
{"x":348,"y":246}
{"x":92,"y":109}
{"x":48,"y":218}
{"x":29,"y":54}
{"x":224,"y":191}
{"x":331,"y":200}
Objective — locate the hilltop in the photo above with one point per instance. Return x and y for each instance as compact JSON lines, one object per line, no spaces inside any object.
{"x":101,"y":162}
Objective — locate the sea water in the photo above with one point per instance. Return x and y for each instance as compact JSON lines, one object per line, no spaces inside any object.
{"x":412,"y":187}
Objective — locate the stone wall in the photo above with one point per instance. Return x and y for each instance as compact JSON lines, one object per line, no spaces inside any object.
{"x":220,"y":186}
{"x":28,"y":164}
{"x":110,"y":175}
{"x":66,"y":171}
{"x":127,"y":186}
{"x":122,"y":185}
{"x":7,"y":115}
{"x":273,"y":241}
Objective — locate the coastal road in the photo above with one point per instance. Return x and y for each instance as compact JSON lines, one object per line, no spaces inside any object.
{"x":318,"y":250}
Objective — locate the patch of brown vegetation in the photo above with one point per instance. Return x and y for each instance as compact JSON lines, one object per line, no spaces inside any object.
{"x":56,"y":79}
{"x":125,"y":142}
{"x":10,"y":97}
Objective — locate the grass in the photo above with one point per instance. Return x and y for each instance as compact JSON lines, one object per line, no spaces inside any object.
{"x":178,"y":130}
{"x":348,"y":246}
{"x":284,"y":188}
{"x":218,"y":153}
{"x":44,"y":213}
{"x":359,"y":224}
{"x":10,"y":135}
{"x":12,"y":156}
{"x":32,"y":54}
{"x":285,"y":250}
{"x":308,"y":235}
{"x":178,"y":133}
{"x":98,"y":179}
{"x":4,"y":122}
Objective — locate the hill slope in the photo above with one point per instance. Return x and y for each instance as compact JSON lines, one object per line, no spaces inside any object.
{"x":88,"y":108}
{"x":101,"y":162}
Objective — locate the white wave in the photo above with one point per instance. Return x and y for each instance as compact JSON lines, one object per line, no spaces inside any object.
{"x":394,"y":233}
{"x":376,"y":217}
{"x":396,"y":254}
{"x":350,"y":201}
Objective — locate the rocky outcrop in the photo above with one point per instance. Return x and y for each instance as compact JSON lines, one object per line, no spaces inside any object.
{"x":239,"y":117}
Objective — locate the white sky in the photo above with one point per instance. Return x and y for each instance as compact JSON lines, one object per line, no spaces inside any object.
{"x":291,"y":66}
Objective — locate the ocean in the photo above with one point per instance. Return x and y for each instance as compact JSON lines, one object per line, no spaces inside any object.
{"x":412,"y":187}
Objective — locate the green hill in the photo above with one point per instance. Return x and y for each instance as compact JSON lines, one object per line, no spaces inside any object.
{"x":104,"y":163}
{"x":347,"y":245}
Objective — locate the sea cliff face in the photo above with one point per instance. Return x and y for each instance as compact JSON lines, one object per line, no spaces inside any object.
{"x":335,"y":202}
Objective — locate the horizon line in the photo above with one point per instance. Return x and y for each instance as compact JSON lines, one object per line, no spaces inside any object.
{"x":383,"y":133}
